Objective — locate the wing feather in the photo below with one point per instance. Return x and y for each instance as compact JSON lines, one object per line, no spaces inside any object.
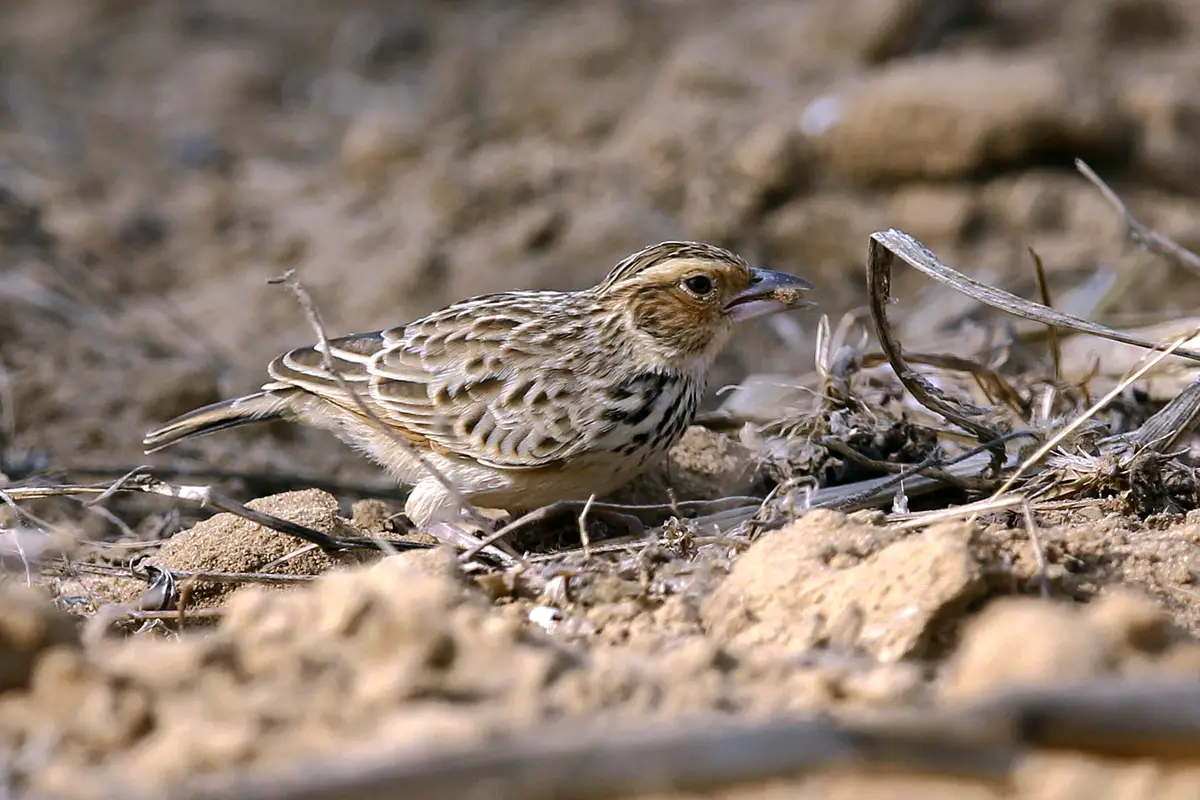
{"x":487,"y":382}
{"x":304,"y":367}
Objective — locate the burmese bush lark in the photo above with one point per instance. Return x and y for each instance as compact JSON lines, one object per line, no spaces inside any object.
{"x":522,"y":399}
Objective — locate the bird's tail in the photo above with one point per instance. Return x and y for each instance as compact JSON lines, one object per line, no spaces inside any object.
{"x":258,"y":407}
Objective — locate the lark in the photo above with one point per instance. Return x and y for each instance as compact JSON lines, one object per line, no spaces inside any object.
{"x":524,"y":398}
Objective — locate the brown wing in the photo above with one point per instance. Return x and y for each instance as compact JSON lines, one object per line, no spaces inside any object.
{"x":493,"y":379}
{"x":304,"y":369}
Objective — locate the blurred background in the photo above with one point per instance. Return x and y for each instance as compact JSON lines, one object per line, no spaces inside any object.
{"x":159,"y":161}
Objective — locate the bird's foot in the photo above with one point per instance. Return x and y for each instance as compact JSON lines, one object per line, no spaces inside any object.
{"x":629,"y":523}
{"x":613,"y":517}
{"x":469,"y":536}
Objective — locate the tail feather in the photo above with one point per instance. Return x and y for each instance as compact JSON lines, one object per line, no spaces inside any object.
{"x":259,"y":407}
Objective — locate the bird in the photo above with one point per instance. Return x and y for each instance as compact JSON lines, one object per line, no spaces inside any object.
{"x":521,"y":399}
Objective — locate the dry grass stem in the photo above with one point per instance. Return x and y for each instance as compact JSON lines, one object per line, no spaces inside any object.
{"x":585,"y":538}
{"x":1076,"y":423}
{"x":1039,"y":270}
{"x":1031,"y":528}
{"x":290,"y":280}
{"x":207,"y":497}
{"x":268,"y":482}
{"x":1144,"y":237}
{"x":1162,"y":431}
{"x":984,"y":741}
{"x":197,"y":575}
{"x":970,"y":511}
{"x":886,"y":246}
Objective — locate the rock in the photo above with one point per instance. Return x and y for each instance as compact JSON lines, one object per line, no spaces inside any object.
{"x":824,"y":238}
{"x":436,"y":562}
{"x":1048,"y":201}
{"x":371,"y":516}
{"x":346,"y":607}
{"x":549,"y":79}
{"x":229,"y":543}
{"x":765,"y":164}
{"x":1129,"y":25}
{"x":709,"y":464}
{"x":937,"y":215}
{"x":1133,"y":621}
{"x":1019,"y":641}
{"x":881,"y":30}
{"x":376,"y":139}
{"x":29,"y":627}
{"x":794,"y":588}
{"x":953,"y":116}
{"x":1165,"y":110}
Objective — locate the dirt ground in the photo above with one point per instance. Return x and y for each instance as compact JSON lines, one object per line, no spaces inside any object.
{"x":159,"y":162}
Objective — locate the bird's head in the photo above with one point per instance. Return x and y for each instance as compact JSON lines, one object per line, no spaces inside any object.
{"x":683,"y":298}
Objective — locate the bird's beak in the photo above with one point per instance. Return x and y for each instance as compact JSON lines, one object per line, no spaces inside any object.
{"x":769,"y":293}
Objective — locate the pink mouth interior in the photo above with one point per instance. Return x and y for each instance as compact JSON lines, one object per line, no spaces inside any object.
{"x":750,"y":307}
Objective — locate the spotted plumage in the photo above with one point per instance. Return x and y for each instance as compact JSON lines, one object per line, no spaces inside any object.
{"x":525,"y":398}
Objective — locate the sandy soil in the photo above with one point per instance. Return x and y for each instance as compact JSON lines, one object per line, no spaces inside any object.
{"x":158,"y":162}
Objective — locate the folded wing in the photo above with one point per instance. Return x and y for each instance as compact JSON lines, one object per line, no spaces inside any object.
{"x":469,"y":384}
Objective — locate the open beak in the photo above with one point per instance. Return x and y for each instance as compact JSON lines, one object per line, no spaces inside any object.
{"x":769,"y":293}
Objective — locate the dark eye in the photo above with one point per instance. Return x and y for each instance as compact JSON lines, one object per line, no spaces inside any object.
{"x":699,"y":285}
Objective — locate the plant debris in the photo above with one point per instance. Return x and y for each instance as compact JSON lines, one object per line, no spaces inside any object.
{"x":941,"y":542}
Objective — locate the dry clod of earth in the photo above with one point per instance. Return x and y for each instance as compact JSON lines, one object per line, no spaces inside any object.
{"x":1026,"y":642}
{"x":29,"y":627}
{"x":951,"y":116}
{"x":229,"y":543}
{"x":376,"y":655}
{"x":827,"y":580}
{"x":401,"y":158}
{"x":392,"y":652}
{"x":380,"y":653}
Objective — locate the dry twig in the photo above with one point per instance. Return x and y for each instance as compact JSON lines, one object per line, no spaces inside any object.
{"x":886,"y":246}
{"x":1162,"y":431}
{"x":984,"y":742}
{"x":1146,"y":238}
{"x":206,"y":496}
{"x":272,"y":482}
{"x":290,"y":280}
{"x":1039,"y":270}
{"x":198,"y":575}
{"x":1057,"y":439}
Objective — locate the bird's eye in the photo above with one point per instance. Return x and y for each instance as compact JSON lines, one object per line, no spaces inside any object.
{"x":699,"y":285}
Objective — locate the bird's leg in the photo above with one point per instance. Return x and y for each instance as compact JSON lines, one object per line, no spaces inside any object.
{"x":630,"y":524}
{"x":470,"y":537}
{"x":433,"y":510}
{"x":568,"y":509}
